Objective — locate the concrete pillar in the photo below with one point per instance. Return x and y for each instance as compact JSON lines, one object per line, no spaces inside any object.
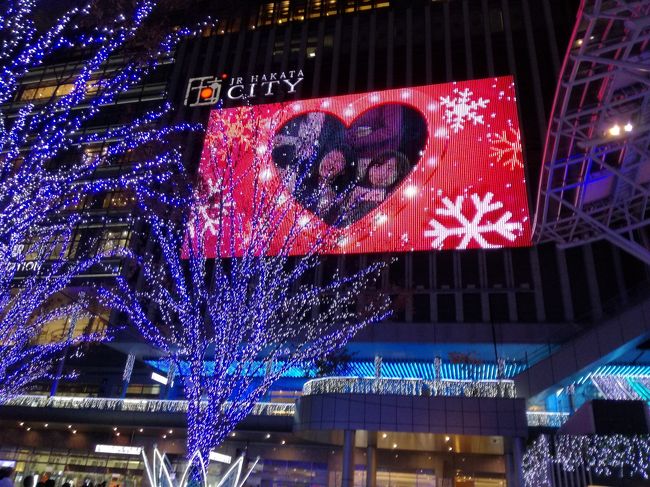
{"x":510,"y":478}
{"x":517,"y":458}
{"x":513,"y":464}
{"x":348,"y":459}
{"x":371,"y":460}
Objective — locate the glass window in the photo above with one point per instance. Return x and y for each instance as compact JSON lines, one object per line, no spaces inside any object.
{"x":46,"y":92}
{"x":114,"y":239}
{"x":118,"y":199}
{"x":446,"y":308}
{"x":421,"y":270}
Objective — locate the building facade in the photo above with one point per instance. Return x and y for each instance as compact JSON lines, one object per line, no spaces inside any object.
{"x":486,"y":347}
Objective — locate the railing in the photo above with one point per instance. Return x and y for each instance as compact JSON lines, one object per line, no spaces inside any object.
{"x":546,"y":419}
{"x":134,"y":405}
{"x":410,"y":387}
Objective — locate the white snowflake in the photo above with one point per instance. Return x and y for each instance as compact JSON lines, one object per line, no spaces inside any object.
{"x":508,"y":151}
{"x":212,"y":223}
{"x":461,"y":108}
{"x":477,"y":227}
{"x":207,"y":212}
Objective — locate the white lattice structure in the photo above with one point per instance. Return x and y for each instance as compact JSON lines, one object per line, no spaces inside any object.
{"x":595,"y":180}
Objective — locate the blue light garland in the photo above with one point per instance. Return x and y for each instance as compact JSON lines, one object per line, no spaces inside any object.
{"x":38,"y":185}
{"x":256,"y":315}
{"x":27,"y":309}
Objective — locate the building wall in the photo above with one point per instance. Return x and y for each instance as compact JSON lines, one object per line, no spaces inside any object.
{"x":358,"y":46}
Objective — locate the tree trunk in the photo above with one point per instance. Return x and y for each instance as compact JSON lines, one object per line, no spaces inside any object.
{"x":199,"y":433}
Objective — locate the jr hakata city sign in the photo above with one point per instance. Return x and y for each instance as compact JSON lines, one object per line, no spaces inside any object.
{"x":208,"y":90}
{"x":429,"y":167}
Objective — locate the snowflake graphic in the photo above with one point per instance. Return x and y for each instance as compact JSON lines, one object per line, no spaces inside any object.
{"x":209,"y":215}
{"x":210,"y":221}
{"x":476,"y":228}
{"x":508,"y":151}
{"x":461,"y":108}
{"x":239,"y":127}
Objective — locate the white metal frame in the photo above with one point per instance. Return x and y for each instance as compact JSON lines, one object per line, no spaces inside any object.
{"x":595,"y":185}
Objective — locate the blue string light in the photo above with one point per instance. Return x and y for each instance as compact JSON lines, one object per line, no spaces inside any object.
{"x":620,"y":456}
{"x":27,"y":309}
{"x":253,"y":317}
{"x":46,"y":167}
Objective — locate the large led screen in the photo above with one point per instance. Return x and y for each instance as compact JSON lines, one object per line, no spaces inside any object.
{"x":429,"y":167}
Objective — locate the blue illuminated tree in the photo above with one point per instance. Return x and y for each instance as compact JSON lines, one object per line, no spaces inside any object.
{"x":51,"y":158}
{"x":30,"y":279}
{"x":235,"y":324}
{"x":49,"y":152}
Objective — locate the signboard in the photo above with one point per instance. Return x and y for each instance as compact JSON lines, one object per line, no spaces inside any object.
{"x":421,"y":168}
{"x":118,"y":449}
{"x":208,"y":90}
{"x":220,"y":457}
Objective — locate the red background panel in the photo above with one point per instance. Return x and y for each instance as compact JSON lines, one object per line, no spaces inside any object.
{"x":464,"y":188}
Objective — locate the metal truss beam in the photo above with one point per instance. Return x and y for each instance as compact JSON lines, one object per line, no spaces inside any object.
{"x":595,"y":181}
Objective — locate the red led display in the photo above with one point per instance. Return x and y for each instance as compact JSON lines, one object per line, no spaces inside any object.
{"x":430,"y":167}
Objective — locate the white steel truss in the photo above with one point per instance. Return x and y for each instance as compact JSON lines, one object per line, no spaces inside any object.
{"x":595,"y":180}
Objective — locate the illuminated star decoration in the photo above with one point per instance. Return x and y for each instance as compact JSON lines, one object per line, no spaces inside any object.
{"x":235,"y":124}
